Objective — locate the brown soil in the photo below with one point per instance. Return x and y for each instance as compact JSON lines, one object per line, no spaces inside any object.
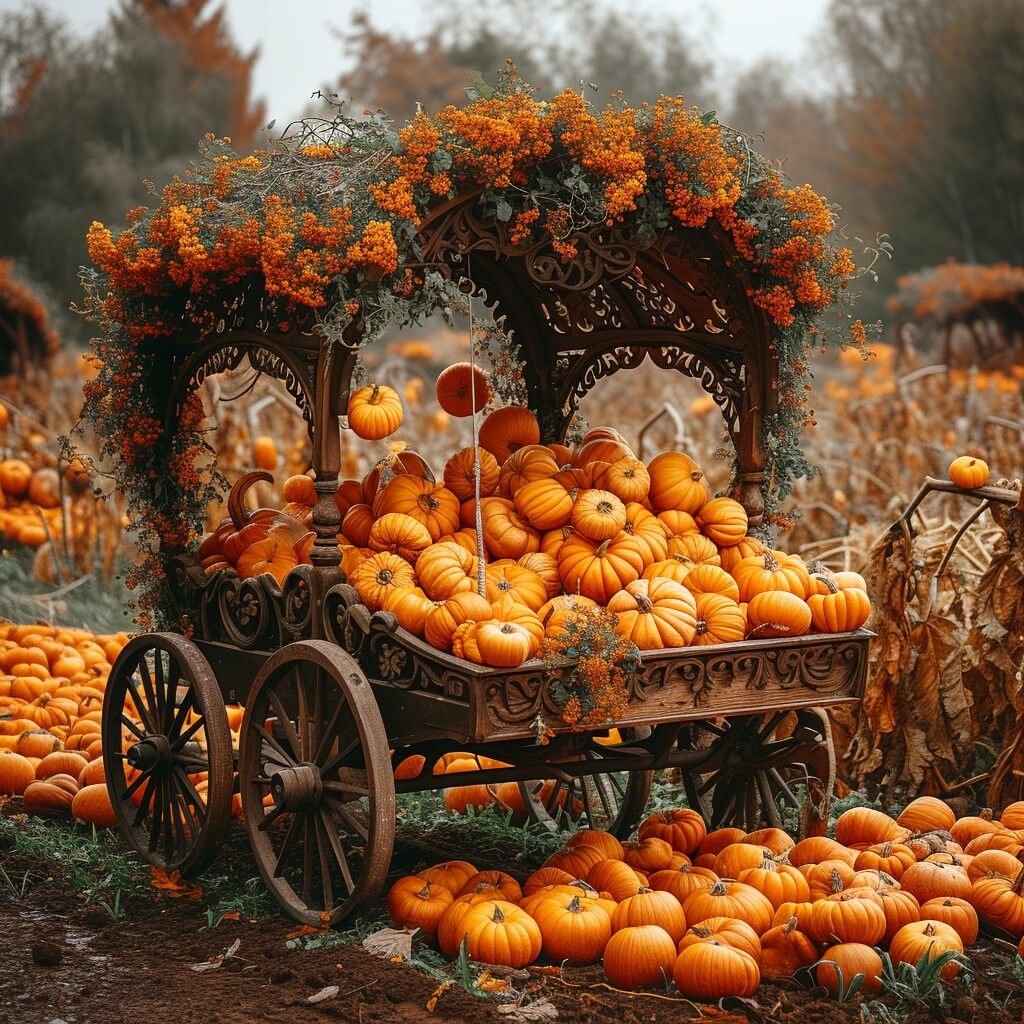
{"x":139,"y":968}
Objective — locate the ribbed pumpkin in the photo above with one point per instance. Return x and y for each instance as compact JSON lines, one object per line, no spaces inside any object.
{"x":724,"y":521}
{"x":846,"y":960}
{"x":441,"y":623}
{"x":781,"y":883}
{"x":615,"y":877}
{"x":460,"y":473}
{"x":682,"y":881}
{"x":508,"y":580}
{"x":506,"y":533}
{"x":380,"y":574}
{"x":729,"y":930}
{"x":677,"y":483}
{"x":655,"y":614}
{"x":866,"y":825}
{"x":720,"y":620}
{"x":400,"y":534}
{"x":649,"y":532}
{"x":507,"y":430}
{"x":777,"y":614}
{"x":849,"y":918}
{"x":546,"y":567}
{"x":815,"y":849}
{"x":429,"y":503}
{"x":600,"y":840}
{"x":91,"y":804}
{"x":839,"y":610}
{"x":713,"y":969}
{"x":579,"y":860}
{"x":927,"y":881}
{"x":546,"y":504}
{"x":498,"y":932}
{"x":50,"y":798}
{"x":676,"y":569}
{"x":597,"y":515}
{"x":737,"y":857}
{"x":16,"y":772}
{"x":730,"y":899}
{"x":1000,"y":901}
{"x":573,"y":929}
{"x":543,"y":877}
{"x":957,"y":913}
{"x":891,"y":857}
{"x":627,"y":478}
{"x":599,"y":571}
{"x":444,"y":569}
{"x":968,"y":472}
{"x":647,"y":854}
{"x":374,"y":412}
{"x":785,"y":949}
{"x":927,"y":813}
{"x":493,"y":642}
{"x":926,"y":939}
{"x":761,"y":573}
{"x":528,"y":465}
{"x":712,"y":579}
{"x":683,"y":829}
{"x":451,"y":874}
{"x":695,"y":548}
{"x":410,"y":607}
{"x":462,"y":389}
{"x":639,"y":957}
{"x":650,"y":906}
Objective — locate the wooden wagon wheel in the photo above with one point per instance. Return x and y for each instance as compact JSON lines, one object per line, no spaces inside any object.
{"x":754,"y":775}
{"x":318,"y":794}
{"x":612,"y":801}
{"x":164,"y":727}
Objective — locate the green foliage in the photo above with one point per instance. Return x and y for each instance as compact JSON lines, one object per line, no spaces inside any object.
{"x":917,"y":986}
{"x":845,"y":990}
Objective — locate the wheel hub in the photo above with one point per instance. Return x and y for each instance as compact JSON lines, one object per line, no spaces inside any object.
{"x":298,"y":788}
{"x":153,"y":754}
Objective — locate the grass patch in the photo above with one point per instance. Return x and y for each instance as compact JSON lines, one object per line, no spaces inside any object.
{"x":88,"y":861}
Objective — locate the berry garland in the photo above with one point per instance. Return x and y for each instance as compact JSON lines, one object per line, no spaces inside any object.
{"x":328,"y":219}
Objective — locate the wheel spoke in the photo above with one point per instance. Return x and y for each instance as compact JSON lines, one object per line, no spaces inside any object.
{"x":768,"y":805}
{"x":325,"y":869}
{"x":307,"y":858}
{"x":339,"y":853}
{"x":132,"y":726}
{"x":147,"y":685}
{"x":347,"y":817}
{"x":158,"y":811}
{"x":147,"y":794}
{"x":784,"y":786}
{"x":585,"y":796}
{"x":163,"y":693}
{"x":288,"y":761}
{"x":188,"y":734}
{"x":134,"y":785}
{"x":286,"y":724}
{"x":268,"y":819}
{"x":195,"y":762}
{"x":339,"y":758}
{"x":329,"y":733}
{"x":301,"y":713}
{"x":772,"y":724}
{"x":183,"y":709}
{"x":190,"y":793}
{"x":286,"y":847}
{"x":345,"y":787}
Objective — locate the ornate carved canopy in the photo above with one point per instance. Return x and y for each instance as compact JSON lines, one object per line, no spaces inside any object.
{"x":680,"y":302}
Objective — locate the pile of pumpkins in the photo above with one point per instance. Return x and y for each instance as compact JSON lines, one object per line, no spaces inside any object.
{"x":52,"y":682}
{"x":563,"y":529}
{"x":28,"y":497}
{"x":718,"y":912}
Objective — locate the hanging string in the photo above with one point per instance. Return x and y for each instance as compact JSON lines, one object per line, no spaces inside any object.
{"x":481,"y":576}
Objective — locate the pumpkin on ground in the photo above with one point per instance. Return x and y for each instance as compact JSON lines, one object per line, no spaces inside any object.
{"x":641,"y":956}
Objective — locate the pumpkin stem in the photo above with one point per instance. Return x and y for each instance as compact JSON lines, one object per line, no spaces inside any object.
{"x":236,"y":499}
{"x":835,"y":881}
{"x":719,"y":889}
{"x":499,"y":917}
{"x":929,"y":929}
{"x":644,"y":603}
{"x":424,"y":893}
{"x":790,"y":925}
{"x":574,"y":905}
{"x":643,"y":889}
{"x":700,"y":930}
{"x":602,"y":548}
{"x":372,"y":400}
{"x":702,"y":627}
{"x":886,"y":849}
{"x":986,"y":814}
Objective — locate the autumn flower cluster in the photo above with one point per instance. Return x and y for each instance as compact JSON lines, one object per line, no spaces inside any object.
{"x":595,"y":689}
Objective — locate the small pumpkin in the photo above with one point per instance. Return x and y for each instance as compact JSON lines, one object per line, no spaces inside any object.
{"x":777,"y":613}
{"x":415,"y":903}
{"x":498,"y":932}
{"x":546,"y":504}
{"x":573,"y":929}
{"x":683,"y":829}
{"x":682,"y":881}
{"x":848,"y":917}
{"x":599,"y":570}
{"x":50,"y":798}
{"x":677,"y":483}
{"x":16,"y":772}
{"x":846,"y":960}
{"x":462,"y":389}
{"x":866,"y":825}
{"x":724,"y":521}
{"x":597,"y":515}
{"x":729,"y":930}
{"x":840,"y":610}
{"x":378,"y":575}
{"x":785,"y":949}
{"x":615,"y":877}
{"x":959,"y":914}
{"x":400,"y":534}
{"x":730,"y":899}
{"x":375,"y":411}
{"x":928,"y":940}
{"x":460,"y":473}
{"x":926,"y":881}
{"x":1000,"y":901}
{"x":927,"y":814}
{"x":968,"y":472}
{"x":91,"y":804}
{"x":655,"y":614}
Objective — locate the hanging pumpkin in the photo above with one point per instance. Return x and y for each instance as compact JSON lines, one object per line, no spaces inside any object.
{"x":462,"y":389}
{"x":460,"y":473}
{"x":375,"y":411}
{"x":507,"y":430}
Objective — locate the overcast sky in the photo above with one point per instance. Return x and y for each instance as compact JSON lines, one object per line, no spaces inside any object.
{"x":298,"y":51}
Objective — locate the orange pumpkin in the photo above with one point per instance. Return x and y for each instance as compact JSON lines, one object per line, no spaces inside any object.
{"x":379,"y":574}
{"x":724,"y":521}
{"x":374,"y":412}
{"x":677,"y":483}
{"x":599,"y":570}
{"x":91,"y":804}
{"x":429,"y":503}
{"x":462,"y":389}
{"x":460,"y":473}
{"x":777,"y":613}
{"x":545,"y":504}
{"x":507,"y":430}
{"x":655,"y":614}
{"x":506,"y":533}
{"x":441,"y":623}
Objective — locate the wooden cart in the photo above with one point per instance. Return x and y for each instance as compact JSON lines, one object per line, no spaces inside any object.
{"x":336,"y":696}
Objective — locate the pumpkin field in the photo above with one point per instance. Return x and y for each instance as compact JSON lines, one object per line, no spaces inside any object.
{"x":494,"y":546}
